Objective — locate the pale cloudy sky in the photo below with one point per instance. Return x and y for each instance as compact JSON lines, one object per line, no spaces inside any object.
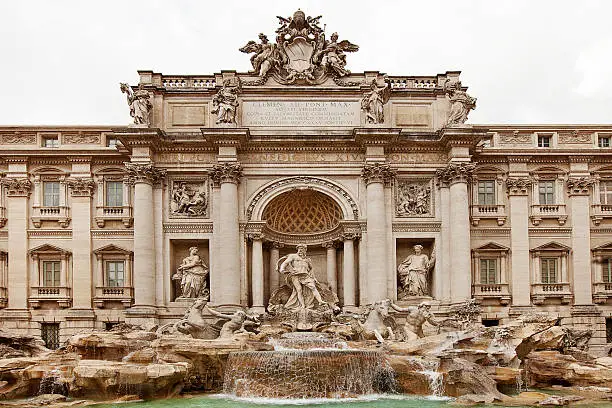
{"x":526,"y":61}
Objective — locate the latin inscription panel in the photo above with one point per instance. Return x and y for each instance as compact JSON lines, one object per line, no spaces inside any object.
{"x":300,"y":113}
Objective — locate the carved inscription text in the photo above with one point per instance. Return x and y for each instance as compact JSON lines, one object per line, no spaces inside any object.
{"x":300,"y":113}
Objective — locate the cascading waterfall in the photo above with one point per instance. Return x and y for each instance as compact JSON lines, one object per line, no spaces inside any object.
{"x":52,"y":383}
{"x":429,"y":368}
{"x":323,"y":371}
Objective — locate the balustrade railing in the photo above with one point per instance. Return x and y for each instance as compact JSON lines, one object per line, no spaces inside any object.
{"x":188,"y":82}
{"x":108,"y":213}
{"x":50,"y":213}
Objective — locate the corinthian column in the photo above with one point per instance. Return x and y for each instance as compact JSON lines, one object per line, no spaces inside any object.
{"x":458,"y":176}
{"x":518,"y":188}
{"x":144,"y":176}
{"x":375,"y":176}
{"x":81,"y":190}
{"x":226,"y":289}
{"x":17,"y":192}
{"x":579,"y":189}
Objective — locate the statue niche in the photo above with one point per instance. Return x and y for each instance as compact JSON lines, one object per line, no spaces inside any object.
{"x":414,"y":271}
{"x":190,"y":279}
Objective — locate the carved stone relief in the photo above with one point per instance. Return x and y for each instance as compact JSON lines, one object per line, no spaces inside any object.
{"x":225,"y":101}
{"x":412,"y":198}
{"x":81,"y":138}
{"x":574,"y":137}
{"x":189,"y":199}
{"x":515,"y":138}
{"x":18,"y":138}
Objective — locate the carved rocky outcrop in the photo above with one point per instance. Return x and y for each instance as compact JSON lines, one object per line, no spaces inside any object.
{"x":226,"y":173}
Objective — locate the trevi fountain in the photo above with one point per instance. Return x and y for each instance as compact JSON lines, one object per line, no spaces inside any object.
{"x":265,"y":281}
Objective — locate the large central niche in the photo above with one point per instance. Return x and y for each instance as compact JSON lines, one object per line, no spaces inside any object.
{"x":302,"y":212}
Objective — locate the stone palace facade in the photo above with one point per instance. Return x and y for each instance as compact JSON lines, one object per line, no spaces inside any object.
{"x":95,"y":222}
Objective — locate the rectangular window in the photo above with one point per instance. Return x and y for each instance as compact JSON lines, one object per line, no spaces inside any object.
{"x":605,"y":192}
{"x":112,"y":142}
{"x":51,"y":193}
{"x":50,"y":334}
{"x":548,"y":270}
{"x":486,"y":192}
{"x":547,"y":192}
{"x":543,"y":141}
{"x":52,"y":141}
{"x":603,"y":142}
{"x":114,"y":193}
{"x":51,"y":273}
{"x":115,"y":273}
{"x":488,"y":271}
{"x":606,"y":275}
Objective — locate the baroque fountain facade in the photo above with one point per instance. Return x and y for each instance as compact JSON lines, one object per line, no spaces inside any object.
{"x":301,"y":230}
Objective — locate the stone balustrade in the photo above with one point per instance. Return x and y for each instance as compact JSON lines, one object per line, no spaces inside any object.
{"x":540,"y":292}
{"x":105,"y":294}
{"x":59,"y":294}
{"x":492,"y":291}
{"x":106,"y":213}
{"x":548,"y":211}
{"x":600,"y":211}
{"x":186,"y":82}
{"x":413,"y":82}
{"x":61,"y":214}
{"x":492,"y":211}
{"x":602,"y":291}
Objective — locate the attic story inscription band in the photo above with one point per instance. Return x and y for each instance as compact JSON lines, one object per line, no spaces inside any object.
{"x":300,"y":113}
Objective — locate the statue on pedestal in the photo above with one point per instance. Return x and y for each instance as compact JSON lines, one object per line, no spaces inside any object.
{"x":191,"y":274}
{"x":373,"y":101}
{"x":413,"y":274}
{"x":461,"y":103}
{"x":225,"y":101}
{"x":139,"y":102}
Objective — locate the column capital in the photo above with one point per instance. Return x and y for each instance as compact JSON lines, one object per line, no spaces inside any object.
{"x":377,"y":173}
{"x":455,"y":173}
{"x":518,"y":185}
{"x":17,"y":187}
{"x":579,"y":185}
{"x":254,"y":236}
{"x":226,"y":173}
{"x":81,"y":186}
{"x":329,"y":244}
{"x":144,"y":173}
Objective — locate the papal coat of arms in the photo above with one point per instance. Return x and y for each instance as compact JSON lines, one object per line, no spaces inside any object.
{"x":301,"y":52}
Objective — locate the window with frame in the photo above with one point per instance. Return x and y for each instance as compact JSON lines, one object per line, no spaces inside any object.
{"x":115,"y":273}
{"x":114,"y":193}
{"x":603,"y":141}
{"x":50,"y":334}
{"x":50,"y":141}
{"x":486,"y":192}
{"x":548,"y":270}
{"x":488,"y":271}
{"x":546,"y":190}
{"x":605,"y":192}
{"x":112,"y":142}
{"x":51,"y":193}
{"x":606,"y":272}
{"x":543,"y":141}
{"x":51,"y":273}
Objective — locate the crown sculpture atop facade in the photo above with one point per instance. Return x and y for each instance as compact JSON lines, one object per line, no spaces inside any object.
{"x":301,"y":52}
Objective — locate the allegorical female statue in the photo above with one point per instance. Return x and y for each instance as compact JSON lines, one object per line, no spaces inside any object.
{"x":140,"y":104}
{"x":373,"y":101}
{"x":413,"y":274}
{"x":461,"y":103}
{"x":191,"y":274}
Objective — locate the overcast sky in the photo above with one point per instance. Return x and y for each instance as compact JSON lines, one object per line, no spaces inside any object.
{"x":526,"y":61}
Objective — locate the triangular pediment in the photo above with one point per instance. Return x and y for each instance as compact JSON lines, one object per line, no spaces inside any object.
{"x":604,"y":247}
{"x":552,"y":246}
{"x":111,"y":248}
{"x":492,"y":246}
{"x":48,"y":248}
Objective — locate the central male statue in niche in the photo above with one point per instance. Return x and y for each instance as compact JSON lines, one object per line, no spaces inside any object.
{"x":302,"y":290}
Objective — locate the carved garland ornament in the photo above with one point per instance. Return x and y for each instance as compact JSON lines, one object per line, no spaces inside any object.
{"x":226,"y":173}
{"x":518,"y":185}
{"x":17,"y":187}
{"x":377,"y":173}
{"x":81,"y":186}
{"x":579,"y":185}
{"x":301,"y":182}
{"x":144,"y":173}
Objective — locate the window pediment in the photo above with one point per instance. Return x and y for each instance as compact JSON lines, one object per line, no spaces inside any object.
{"x":491,"y":248}
{"x":552,"y":247}
{"x":48,"y":249}
{"x":112,"y":249}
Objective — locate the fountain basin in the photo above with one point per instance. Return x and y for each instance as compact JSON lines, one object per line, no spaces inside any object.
{"x":331,"y":373}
